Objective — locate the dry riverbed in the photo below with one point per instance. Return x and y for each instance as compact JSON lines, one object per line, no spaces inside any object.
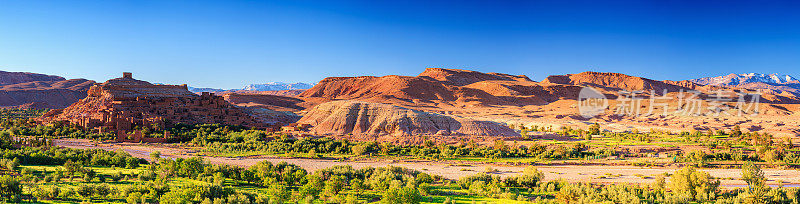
{"x":574,"y":173}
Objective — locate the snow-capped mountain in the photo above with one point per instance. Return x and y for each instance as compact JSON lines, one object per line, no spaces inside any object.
{"x":742,"y":79}
{"x":198,"y":90}
{"x":271,"y":86}
{"x":779,"y":85}
{"x":277,"y":86}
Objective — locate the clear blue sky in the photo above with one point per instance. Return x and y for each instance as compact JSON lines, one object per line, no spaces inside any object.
{"x":227,"y":44}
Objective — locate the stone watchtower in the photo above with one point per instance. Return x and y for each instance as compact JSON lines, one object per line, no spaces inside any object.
{"x":127,"y":75}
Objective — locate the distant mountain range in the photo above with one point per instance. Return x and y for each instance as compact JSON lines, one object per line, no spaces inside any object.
{"x":269,"y":86}
{"x":198,"y":90}
{"x":742,"y":79}
{"x":277,"y":86}
{"x":781,"y":85}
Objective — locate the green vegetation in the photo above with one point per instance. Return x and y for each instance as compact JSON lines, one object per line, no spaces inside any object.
{"x":21,"y":113}
{"x":716,"y":148}
{"x":30,"y":128}
{"x":193,"y":180}
{"x":35,"y":171}
{"x":38,"y":172}
{"x":312,"y":146}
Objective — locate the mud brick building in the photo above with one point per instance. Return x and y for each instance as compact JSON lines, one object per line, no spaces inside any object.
{"x":122,"y":104}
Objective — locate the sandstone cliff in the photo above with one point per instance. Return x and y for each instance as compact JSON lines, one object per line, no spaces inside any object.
{"x":376,"y":119}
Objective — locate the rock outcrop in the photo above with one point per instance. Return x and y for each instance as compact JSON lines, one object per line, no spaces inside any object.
{"x":375,"y":119}
{"x":123,"y":103}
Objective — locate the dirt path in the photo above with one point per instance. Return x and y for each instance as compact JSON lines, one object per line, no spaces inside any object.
{"x":612,"y":174}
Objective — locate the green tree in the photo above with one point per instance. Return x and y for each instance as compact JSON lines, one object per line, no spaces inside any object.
{"x":88,"y":175}
{"x":698,"y":158}
{"x":47,"y":192}
{"x":219,"y":178}
{"x":404,"y":195}
{"x":423,"y":178}
{"x":249,"y":176}
{"x":788,"y":143}
{"x":102,"y":190}
{"x":85,"y":191}
{"x":13,"y":164}
{"x":694,"y":185}
{"x":278,"y":193}
{"x":756,"y":183}
{"x":155,"y":156}
{"x":524,"y":133}
{"x":477,"y":187}
{"x":357,"y":185}
{"x":313,"y":187}
{"x":736,"y":131}
{"x":660,"y":182}
{"x":594,"y":129}
{"x":9,"y":186}
{"x":134,"y":198}
{"x":530,"y":177}
{"x":500,"y":145}
{"x":71,"y":168}
{"x":333,"y":186}
{"x":177,"y":196}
